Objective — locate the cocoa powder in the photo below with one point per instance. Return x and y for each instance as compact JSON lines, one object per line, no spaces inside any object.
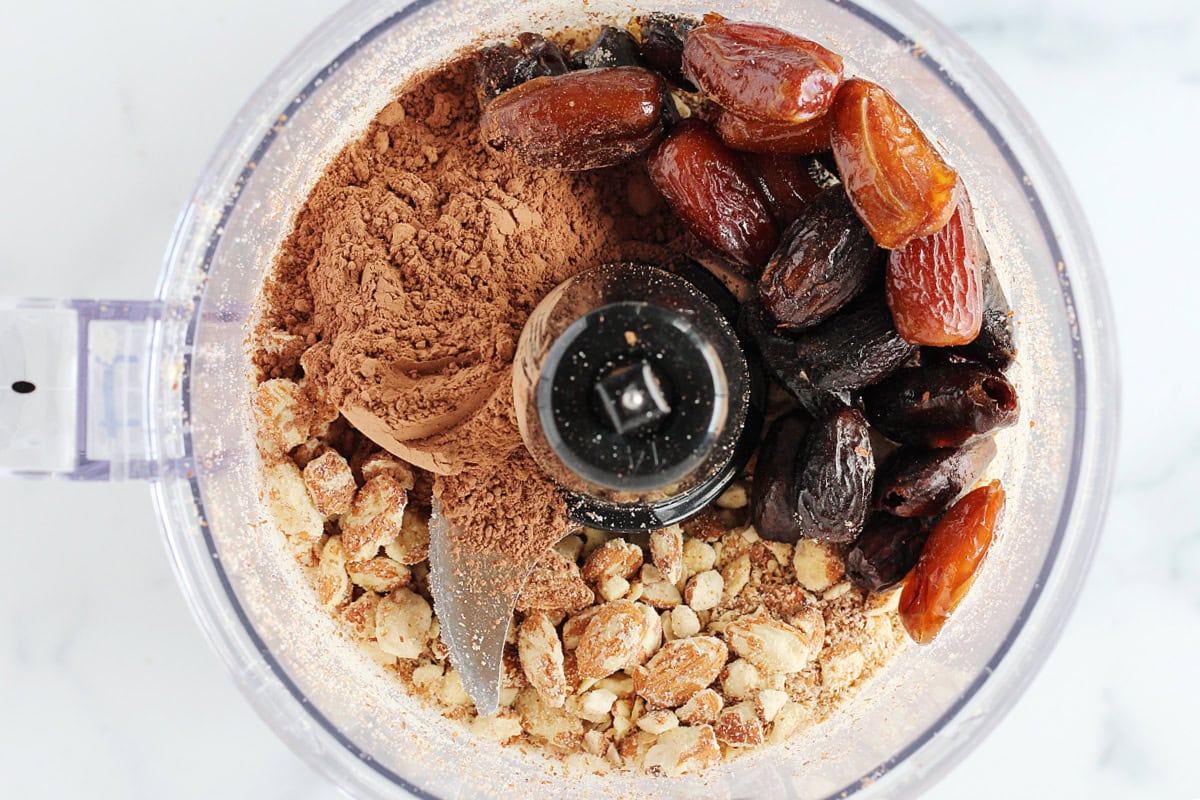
{"x":417,"y":258}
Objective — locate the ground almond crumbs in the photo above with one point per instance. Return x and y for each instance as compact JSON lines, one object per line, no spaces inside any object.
{"x":663,"y":654}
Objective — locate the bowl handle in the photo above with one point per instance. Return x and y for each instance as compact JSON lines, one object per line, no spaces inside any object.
{"x":74,"y":389}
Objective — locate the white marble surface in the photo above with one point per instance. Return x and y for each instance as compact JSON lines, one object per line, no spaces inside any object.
{"x":107,"y":689}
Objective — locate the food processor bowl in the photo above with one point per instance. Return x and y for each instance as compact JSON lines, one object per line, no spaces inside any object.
{"x":161,"y":390}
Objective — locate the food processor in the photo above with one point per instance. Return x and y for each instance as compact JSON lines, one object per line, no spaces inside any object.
{"x":159,"y":390}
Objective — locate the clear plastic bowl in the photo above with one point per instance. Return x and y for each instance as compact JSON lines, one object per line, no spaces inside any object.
{"x":341,"y":712}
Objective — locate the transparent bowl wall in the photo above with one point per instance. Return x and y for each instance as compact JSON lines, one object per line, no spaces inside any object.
{"x":347,"y":716}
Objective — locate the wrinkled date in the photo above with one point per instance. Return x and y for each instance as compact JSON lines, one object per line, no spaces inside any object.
{"x":834,"y":478}
{"x":613,"y":48}
{"x":855,"y":348}
{"x":663,"y":36}
{"x":778,"y":356}
{"x":709,"y":188}
{"x":786,"y":183}
{"x":933,"y":283}
{"x":887,"y":551}
{"x":761,"y":72}
{"x":916,"y":482}
{"x":577,"y":121}
{"x":941,"y":405}
{"x":825,"y":260}
{"x":503,"y":67}
{"x":896,"y":178}
{"x":996,"y":344}
{"x":757,"y":136}
{"x":774,"y":477}
{"x":949,"y":562}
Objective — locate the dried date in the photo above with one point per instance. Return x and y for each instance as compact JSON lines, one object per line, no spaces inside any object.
{"x":933,"y":283}
{"x":887,"y":551}
{"x":503,"y":67}
{"x":581,"y":120}
{"x":661,"y":48}
{"x":897,"y":180}
{"x":756,"y":136}
{"x":834,"y":478}
{"x":916,"y":482}
{"x":825,"y":260}
{"x":761,"y":72}
{"x":950,"y":561}
{"x":996,"y":343}
{"x":855,"y":348}
{"x":778,"y":356}
{"x":613,"y":47}
{"x":941,"y":405}
{"x":709,"y":188}
{"x":774,"y":478}
{"x":786,"y":183}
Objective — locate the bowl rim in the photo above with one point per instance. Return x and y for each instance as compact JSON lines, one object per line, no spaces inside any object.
{"x":1093,"y":437}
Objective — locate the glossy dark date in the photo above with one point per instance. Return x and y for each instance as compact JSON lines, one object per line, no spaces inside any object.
{"x":778,"y":356}
{"x":916,"y":482}
{"x":855,"y":348}
{"x":887,"y":551}
{"x":996,"y":343}
{"x":786,"y":183}
{"x":503,"y":67}
{"x":824,"y":260}
{"x":834,"y":478}
{"x":614,"y":47}
{"x":941,"y":405}
{"x":663,"y":36}
{"x":774,"y":478}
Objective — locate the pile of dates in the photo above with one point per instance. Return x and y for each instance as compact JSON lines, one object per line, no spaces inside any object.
{"x":868,"y":293}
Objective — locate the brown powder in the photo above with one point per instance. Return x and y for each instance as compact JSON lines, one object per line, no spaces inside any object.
{"x":416,"y":260}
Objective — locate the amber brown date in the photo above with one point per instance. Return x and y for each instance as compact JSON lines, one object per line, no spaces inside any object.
{"x":663,"y":36}
{"x":834,"y":478}
{"x":709,"y":188}
{"x":756,"y":136}
{"x":503,"y":67}
{"x":578,"y":121}
{"x":996,"y":343}
{"x":613,"y":47}
{"x":916,"y":482}
{"x":933,"y":283}
{"x":855,"y":348}
{"x":778,"y":356}
{"x":825,"y":260}
{"x":941,"y":405}
{"x":761,"y":72}
{"x":897,"y":180}
{"x":774,"y":477}
{"x":949,"y":562}
{"x":786,"y":182}
{"x":887,"y":551}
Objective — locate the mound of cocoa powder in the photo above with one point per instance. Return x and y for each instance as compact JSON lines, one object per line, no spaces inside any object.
{"x":416,"y":260}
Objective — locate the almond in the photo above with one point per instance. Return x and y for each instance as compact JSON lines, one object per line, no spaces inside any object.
{"x":704,"y":707}
{"x":541,"y":655}
{"x":380,"y":574}
{"x":739,"y":726}
{"x":402,"y":623}
{"x":612,"y":641}
{"x":374,"y":518}
{"x":666,"y":551}
{"x":771,"y":645}
{"x":703,"y":591}
{"x":616,"y":557}
{"x":554,"y":585}
{"x":411,"y":545}
{"x":330,"y":483}
{"x":680,"y":669}
{"x":818,"y":565}
{"x":684,"y":749}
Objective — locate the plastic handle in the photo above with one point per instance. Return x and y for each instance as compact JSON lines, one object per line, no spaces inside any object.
{"x":74,"y":388}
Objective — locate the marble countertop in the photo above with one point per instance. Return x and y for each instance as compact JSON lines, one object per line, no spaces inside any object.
{"x":107,"y":689}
